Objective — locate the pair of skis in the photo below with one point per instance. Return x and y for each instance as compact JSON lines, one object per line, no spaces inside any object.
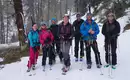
{"x":32,"y":72}
{"x":65,"y":70}
{"x":110,"y":70}
{"x":110,"y":66}
{"x":44,"y":68}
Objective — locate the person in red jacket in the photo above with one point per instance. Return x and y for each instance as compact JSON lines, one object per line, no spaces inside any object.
{"x":46,"y":39}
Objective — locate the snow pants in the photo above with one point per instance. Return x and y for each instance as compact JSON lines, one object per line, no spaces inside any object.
{"x":94,"y":46}
{"x":77,"y":41}
{"x":47,"y":52}
{"x":57,"y":51}
{"x":33,"y":52}
{"x":65,"y":47}
{"x":110,"y":49}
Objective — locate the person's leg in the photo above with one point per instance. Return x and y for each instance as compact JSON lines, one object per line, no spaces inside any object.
{"x":68,"y":44}
{"x":107,"y":53}
{"x":113,"y":51}
{"x":65,"y":51}
{"x":50,"y":53}
{"x":81,"y":48}
{"x":97,"y":53}
{"x":76,"y":48}
{"x":57,"y":46}
{"x":61,"y":56}
{"x":58,"y":50}
{"x":31,"y":58}
{"x":53,"y":51}
{"x":44,"y":49}
{"x":37,"y":53}
{"x":88,"y":52}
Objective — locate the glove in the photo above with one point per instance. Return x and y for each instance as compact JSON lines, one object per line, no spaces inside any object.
{"x":70,"y":37}
{"x":45,"y":46}
{"x":61,"y":37}
{"x":114,"y":36}
{"x":47,"y":40}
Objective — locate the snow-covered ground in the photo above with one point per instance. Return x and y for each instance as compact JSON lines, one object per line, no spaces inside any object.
{"x":17,"y":71}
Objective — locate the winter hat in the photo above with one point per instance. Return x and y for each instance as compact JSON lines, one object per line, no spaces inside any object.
{"x":66,"y":15}
{"x":89,"y":14}
{"x":43,"y":23}
{"x":53,"y":19}
{"x":78,"y":15}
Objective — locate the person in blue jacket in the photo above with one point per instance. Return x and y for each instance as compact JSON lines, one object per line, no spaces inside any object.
{"x":34,"y":47}
{"x":89,"y":30}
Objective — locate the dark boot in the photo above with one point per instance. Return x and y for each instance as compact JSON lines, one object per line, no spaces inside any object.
{"x":88,"y":66}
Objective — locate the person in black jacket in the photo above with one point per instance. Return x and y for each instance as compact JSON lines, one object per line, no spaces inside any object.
{"x":78,"y":37}
{"x":56,"y":43}
{"x":111,"y":30}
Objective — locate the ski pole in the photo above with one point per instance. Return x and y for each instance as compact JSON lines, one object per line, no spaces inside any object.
{"x":63,"y":49}
{"x":99,"y":62}
{"x":72,"y":47}
{"x":118,"y":46}
{"x":81,"y":67}
{"x":110,"y":60}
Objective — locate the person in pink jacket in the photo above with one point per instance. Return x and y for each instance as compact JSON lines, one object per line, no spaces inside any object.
{"x":46,"y":39}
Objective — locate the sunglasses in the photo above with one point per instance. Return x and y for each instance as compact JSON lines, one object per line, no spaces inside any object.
{"x":110,"y":16}
{"x":43,"y":25}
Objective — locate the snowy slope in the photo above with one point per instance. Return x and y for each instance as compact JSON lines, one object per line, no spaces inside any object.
{"x":17,"y":71}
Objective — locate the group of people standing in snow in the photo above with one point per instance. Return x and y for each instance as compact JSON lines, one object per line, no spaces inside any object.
{"x":57,"y":40}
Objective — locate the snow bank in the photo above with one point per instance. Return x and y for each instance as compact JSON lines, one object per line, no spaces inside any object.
{"x":9,"y":45}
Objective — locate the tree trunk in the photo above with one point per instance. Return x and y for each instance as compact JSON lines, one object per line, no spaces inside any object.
{"x":19,"y":21}
{"x":48,"y":12}
{"x":7,"y":32}
{"x":2,"y":35}
{"x":31,"y":8}
{"x":60,"y":9}
{"x":66,"y":6}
